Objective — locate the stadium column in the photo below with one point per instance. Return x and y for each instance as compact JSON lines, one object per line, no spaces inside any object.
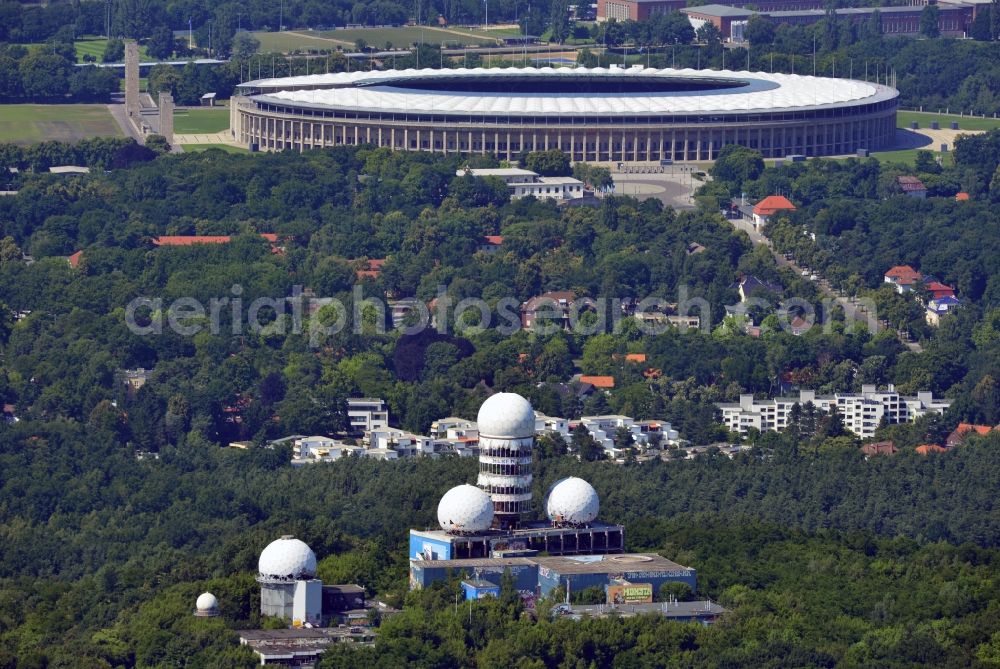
{"x":572,"y":145}
{"x":508,"y":146}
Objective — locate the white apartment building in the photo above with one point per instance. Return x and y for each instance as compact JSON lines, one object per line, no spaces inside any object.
{"x":365,"y":414}
{"x":603,"y":429}
{"x":521,"y":183}
{"x":310,"y":450}
{"x":862,"y":412}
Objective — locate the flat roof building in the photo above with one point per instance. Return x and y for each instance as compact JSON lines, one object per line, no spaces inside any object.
{"x":538,"y":576}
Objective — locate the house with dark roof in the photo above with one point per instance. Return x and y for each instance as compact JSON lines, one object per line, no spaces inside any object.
{"x":749,"y":286}
{"x":936,"y":309}
{"x":554,"y":307}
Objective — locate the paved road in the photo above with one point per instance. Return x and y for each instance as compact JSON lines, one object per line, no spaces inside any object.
{"x":852,"y":311}
{"x":118,"y":112}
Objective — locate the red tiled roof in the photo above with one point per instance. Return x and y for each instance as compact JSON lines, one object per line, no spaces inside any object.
{"x":771,"y":204}
{"x":599,"y":381}
{"x":189,"y":240}
{"x":494,"y":240}
{"x":965,"y":429}
{"x":910,"y":184}
{"x":904,"y":274}
{"x":962,"y":197}
{"x":924,"y":449}
{"x":372,"y":268}
{"x":880,"y":448}
{"x":635,"y":357}
{"x":939,"y":289}
{"x":74,"y":260}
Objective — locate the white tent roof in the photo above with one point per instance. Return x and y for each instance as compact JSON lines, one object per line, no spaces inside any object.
{"x":765,"y":91}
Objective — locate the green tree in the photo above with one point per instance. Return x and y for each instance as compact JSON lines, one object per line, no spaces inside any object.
{"x":160,"y":44}
{"x":930,"y":17}
{"x":114,"y":51}
{"x":551,"y":163}
{"x":737,"y":165}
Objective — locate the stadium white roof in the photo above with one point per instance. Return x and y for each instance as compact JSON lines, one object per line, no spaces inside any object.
{"x":374,"y":91}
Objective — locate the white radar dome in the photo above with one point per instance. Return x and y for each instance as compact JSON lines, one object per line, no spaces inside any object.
{"x":287,"y":559}
{"x":465,"y":508}
{"x":206,"y":602}
{"x":506,"y":416}
{"x":572,"y":500}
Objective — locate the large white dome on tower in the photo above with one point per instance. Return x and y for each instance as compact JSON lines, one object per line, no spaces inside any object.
{"x":506,"y":416}
{"x":287,"y":559}
{"x":465,"y":508}
{"x":572,"y":500}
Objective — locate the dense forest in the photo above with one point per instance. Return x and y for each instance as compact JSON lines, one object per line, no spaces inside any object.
{"x":824,"y":557}
{"x":118,"y":507}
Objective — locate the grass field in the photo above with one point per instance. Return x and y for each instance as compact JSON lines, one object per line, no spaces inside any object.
{"x":194,"y":148}
{"x":303,"y":40}
{"x":904,"y":118}
{"x":27,"y":124}
{"x":95,"y":47}
{"x":908,"y":156}
{"x":198,"y":121}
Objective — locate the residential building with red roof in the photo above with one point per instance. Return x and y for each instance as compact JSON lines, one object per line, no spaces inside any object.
{"x":903,"y":277}
{"x":371,"y":269}
{"x":938,"y":290}
{"x":605,"y":382}
{"x":769,"y":206}
{"x":74,"y":260}
{"x":191,"y":240}
{"x":912,"y":186}
{"x":964,"y":430}
{"x":927,"y":449}
{"x":491,"y":243}
{"x":962,"y":197}
{"x":879,"y":448}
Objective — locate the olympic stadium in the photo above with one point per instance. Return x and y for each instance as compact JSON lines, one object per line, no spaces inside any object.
{"x":596,"y":115}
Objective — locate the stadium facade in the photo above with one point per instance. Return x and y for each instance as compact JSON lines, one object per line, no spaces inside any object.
{"x":597,"y":115}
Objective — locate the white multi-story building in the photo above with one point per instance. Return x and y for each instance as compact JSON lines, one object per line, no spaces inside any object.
{"x":862,"y":412}
{"x":310,"y":450}
{"x":522,"y":183}
{"x":365,"y":414}
{"x":603,"y":429}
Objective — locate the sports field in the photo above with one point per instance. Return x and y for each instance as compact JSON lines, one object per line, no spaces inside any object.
{"x":304,"y":40}
{"x":904,"y":118}
{"x":201,"y":121}
{"x":27,"y":124}
{"x":95,"y":47}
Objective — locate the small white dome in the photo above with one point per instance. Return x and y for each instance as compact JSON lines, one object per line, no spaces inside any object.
{"x":287,"y":559}
{"x":572,"y":500}
{"x":465,"y":508}
{"x":206,"y":602}
{"x":506,"y":416}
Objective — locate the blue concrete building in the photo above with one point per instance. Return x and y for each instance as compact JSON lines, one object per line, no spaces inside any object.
{"x":580,"y":572}
{"x":538,"y":576}
{"x":477,"y":589}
